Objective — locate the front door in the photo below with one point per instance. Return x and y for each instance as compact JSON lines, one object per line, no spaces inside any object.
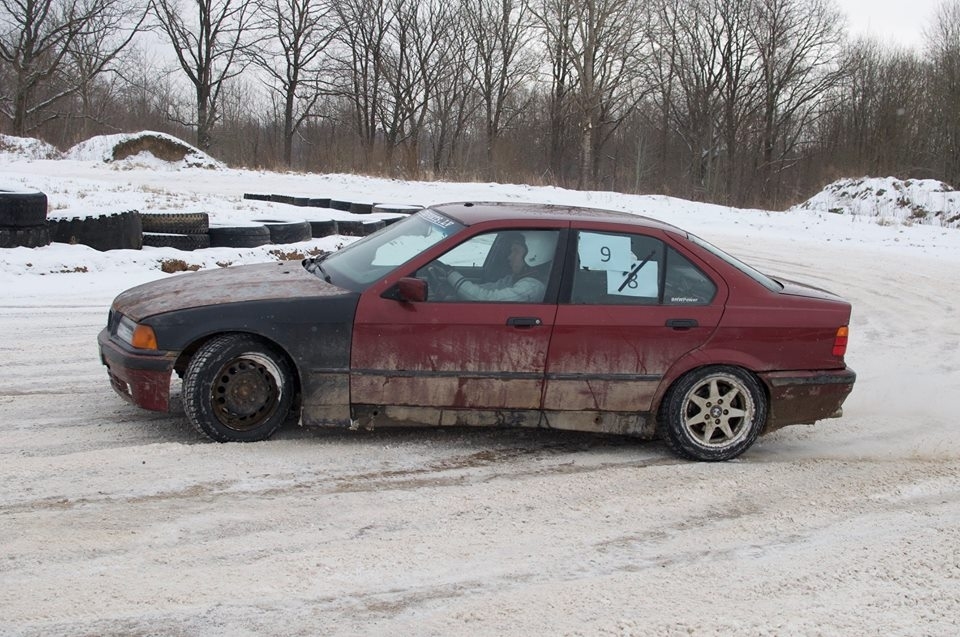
{"x":474,"y":352}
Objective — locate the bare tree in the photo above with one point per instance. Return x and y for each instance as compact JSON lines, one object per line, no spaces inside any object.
{"x":605,"y":42}
{"x":452,"y":105}
{"x":292,"y":56}
{"x":55,"y":47}
{"x":560,"y":15}
{"x":210,"y":43}
{"x":693,"y":35}
{"x":362,"y":27}
{"x":95,"y":54}
{"x":799,"y":43}
{"x":416,"y":58}
{"x":500,"y":33}
{"x":944,"y":53}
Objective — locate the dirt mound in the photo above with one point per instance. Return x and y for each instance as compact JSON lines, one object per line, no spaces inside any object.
{"x":140,"y":148}
{"x":160,"y":146}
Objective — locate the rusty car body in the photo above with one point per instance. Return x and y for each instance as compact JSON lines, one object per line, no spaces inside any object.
{"x":638,"y":328}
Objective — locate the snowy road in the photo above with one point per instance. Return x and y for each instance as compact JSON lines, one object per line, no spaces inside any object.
{"x":118,"y":521}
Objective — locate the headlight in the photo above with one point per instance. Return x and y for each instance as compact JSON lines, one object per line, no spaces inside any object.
{"x":136,"y":335}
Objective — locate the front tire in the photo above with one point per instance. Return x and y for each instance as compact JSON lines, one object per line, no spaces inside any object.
{"x":713,"y":413}
{"x":237,"y":389}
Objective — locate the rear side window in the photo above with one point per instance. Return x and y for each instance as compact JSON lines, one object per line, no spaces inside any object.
{"x":685,"y":283}
{"x":635,"y":269}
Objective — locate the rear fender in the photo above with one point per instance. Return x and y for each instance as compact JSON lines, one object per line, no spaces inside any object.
{"x":699,"y":358}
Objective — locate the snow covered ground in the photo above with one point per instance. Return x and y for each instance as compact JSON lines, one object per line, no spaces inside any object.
{"x":119,"y":521}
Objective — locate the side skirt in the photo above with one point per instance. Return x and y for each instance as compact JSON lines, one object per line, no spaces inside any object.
{"x":629,"y":424}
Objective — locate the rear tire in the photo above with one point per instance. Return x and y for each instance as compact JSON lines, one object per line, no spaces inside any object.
{"x":238,"y":388}
{"x":713,"y":413}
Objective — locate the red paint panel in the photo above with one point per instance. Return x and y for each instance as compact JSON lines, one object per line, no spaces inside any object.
{"x":147,"y":388}
{"x":448,"y":354}
{"x":602,"y":343}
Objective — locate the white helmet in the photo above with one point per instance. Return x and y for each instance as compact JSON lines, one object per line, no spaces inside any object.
{"x":541,"y":246}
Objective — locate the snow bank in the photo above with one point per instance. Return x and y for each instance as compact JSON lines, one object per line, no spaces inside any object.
{"x":890,"y":201}
{"x":12,"y":148}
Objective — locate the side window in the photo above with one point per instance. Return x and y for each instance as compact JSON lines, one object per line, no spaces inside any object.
{"x":634,"y":269}
{"x":684,"y":283}
{"x":617,"y":269}
{"x":510,"y":266}
{"x":471,"y":253}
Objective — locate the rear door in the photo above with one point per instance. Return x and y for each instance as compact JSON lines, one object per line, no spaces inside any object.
{"x":634,"y":305}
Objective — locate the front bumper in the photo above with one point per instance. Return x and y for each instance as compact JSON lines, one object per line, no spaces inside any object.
{"x":804,"y":397}
{"x":142,"y":379}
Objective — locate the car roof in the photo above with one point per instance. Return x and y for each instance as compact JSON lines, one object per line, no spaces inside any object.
{"x":469,"y":213}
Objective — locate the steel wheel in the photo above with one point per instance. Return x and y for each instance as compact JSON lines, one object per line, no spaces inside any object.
{"x":238,"y":388}
{"x":246,"y":392}
{"x":714,"y":413}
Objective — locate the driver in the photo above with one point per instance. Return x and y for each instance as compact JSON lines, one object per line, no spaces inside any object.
{"x":519,"y":286}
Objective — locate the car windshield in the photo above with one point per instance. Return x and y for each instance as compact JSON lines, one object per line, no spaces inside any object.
{"x":751,"y":272}
{"x":363,"y":262}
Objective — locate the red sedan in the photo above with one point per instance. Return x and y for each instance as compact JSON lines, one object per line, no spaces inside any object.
{"x":492,"y":314}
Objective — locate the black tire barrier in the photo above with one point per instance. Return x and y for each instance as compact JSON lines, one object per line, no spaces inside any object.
{"x":121,"y":231}
{"x":319,"y":202}
{"x":339,"y":204}
{"x":286,"y":231}
{"x":391,"y":220}
{"x":301,"y":202}
{"x":24,"y":236}
{"x":359,"y":228}
{"x":249,"y":236}
{"x":176,"y":223}
{"x":20,"y":209}
{"x":361,"y":208}
{"x":287,"y":199}
{"x":187,"y":242}
{"x":323,"y":228}
{"x":399,"y":208}
{"x":252,"y":196}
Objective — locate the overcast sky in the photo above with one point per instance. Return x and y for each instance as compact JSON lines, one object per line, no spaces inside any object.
{"x":893,"y":21}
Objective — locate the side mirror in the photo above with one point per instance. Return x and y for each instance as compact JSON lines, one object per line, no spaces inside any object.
{"x":412,"y":289}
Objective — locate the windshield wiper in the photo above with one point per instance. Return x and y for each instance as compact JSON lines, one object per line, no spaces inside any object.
{"x":312,"y":265}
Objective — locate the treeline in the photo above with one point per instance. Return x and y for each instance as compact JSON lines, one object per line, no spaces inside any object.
{"x":741,"y":102}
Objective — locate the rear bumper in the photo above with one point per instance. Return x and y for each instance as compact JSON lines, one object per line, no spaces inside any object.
{"x":142,"y":379}
{"x":802,"y":398}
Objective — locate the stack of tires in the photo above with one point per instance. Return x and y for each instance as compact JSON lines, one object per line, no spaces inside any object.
{"x":183,"y":231}
{"x":23,"y":219}
{"x":287,"y":231}
{"x":239,"y":234}
{"x":114,"y":231}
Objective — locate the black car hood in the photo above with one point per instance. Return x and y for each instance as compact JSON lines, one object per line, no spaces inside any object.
{"x":284,"y":280}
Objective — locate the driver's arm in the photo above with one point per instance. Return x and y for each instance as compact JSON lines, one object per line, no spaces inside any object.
{"x":526,"y":290}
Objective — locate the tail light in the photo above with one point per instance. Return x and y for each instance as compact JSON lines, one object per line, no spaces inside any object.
{"x":840,"y":341}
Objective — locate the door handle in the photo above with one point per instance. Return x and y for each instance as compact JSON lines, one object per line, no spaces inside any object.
{"x":524,"y":321}
{"x":682,"y":324}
